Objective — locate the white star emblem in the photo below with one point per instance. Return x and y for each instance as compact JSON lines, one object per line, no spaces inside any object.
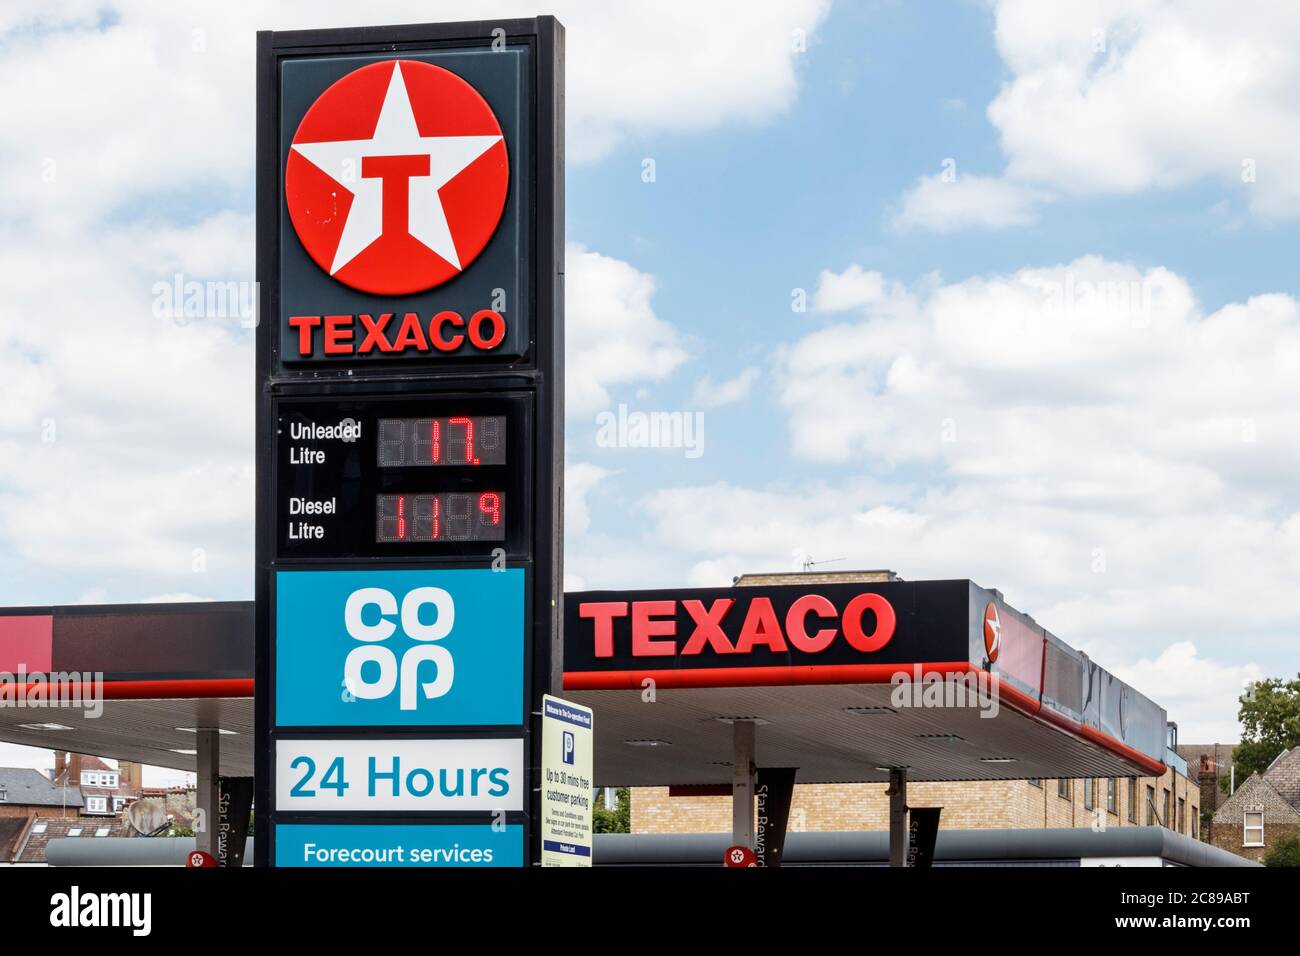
{"x":437,"y":160}
{"x":994,"y":624}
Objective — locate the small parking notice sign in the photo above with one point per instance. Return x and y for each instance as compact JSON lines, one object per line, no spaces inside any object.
{"x":567,"y":783}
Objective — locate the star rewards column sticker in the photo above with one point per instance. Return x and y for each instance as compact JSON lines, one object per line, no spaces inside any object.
{"x":397,"y":177}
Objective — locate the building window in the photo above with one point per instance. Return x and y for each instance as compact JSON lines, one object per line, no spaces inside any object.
{"x":74,"y":831}
{"x":1181,"y":814}
{"x":1196,"y":823}
{"x":39,"y":828}
{"x":1253,"y":829}
{"x":1151,"y":806}
{"x":1112,"y":785}
{"x":1063,"y":788}
{"x":1168,"y":820}
{"x":1089,"y":786}
{"x":1036,"y":782}
{"x":1132,"y":799}
{"x":118,"y":803}
{"x":97,"y":804}
{"x":101,"y":832}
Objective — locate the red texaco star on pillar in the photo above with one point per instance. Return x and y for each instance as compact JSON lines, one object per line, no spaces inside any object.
{"x":394,"y":189}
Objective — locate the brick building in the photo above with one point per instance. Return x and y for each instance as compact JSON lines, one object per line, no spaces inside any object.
{"x":1265,"y":808}
{"x":82,"y":796}
{"x":1210,"y":765}
{"x":105,"y":790}
{"x":1173,"y":801}
{"x":29,"y":804}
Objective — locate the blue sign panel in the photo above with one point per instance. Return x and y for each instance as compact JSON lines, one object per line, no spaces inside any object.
{"x":362,"y":844}
{"x":399,"y":648}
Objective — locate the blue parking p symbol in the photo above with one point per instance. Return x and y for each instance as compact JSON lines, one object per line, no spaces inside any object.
{"x":568,"y":747}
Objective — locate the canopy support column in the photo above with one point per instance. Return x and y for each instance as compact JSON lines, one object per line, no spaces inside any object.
{"x":207,"y":798}
{"x":897,"y":816}
{"x":742,"y":783}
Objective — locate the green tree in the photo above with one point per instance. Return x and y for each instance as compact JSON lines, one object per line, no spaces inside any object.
{"x":1286,"y":852}
{"x":616,"y":819}
{"x":1270,"y":724}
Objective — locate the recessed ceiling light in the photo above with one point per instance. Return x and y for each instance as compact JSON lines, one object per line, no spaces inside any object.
{"x":188,"y":753}
{"x":647,"y":743}
{"x":44,"y":727}
{"x":220,"y":730}
{"x":741,"y":720}
{"x":997,"y":759}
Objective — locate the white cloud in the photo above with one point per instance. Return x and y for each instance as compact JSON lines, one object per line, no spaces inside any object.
{"x":854,"y":288}
{"x":1193,"y":690}
{"x":126,"y":445}
{"x":936,"y":204}
{"x":722,"y":530}
{"x":666,"y":68}
{"x":1084,"y":436}
{"x":1164,"y":393}
{"x":133,"y":101}
{"x":579,"y":478}
{"x":1183,"y":89}
{"x":612,"y":336}
{"x":711,"y":394}
{"x":1115,"y":97}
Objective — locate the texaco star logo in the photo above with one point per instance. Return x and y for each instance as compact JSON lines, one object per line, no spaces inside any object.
{"x":992,"y":632}
{"x":397,"y":177}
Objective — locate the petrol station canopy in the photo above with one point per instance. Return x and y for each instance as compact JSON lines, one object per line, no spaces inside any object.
{"x":846,"y":682}
{"x":843,"y":681}
{"x":167,"y":670}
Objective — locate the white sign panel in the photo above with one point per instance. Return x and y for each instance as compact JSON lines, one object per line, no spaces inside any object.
{"x":480,"y":774}
{"x":567,"y":783}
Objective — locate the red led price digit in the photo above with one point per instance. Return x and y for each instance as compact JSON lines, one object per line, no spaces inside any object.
{"x":469,"y":438}
{"x":489,"y":504}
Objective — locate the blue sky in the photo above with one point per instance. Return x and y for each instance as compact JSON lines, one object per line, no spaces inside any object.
{"x":1124,"y":475}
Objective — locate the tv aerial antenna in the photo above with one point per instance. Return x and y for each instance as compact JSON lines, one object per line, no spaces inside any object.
{"x":809,"y":563}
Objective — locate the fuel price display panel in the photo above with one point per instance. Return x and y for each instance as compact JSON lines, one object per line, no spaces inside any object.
{"x":434,"y":476}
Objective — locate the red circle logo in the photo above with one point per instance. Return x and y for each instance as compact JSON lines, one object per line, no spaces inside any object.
{"x":739,"y":856}
{"x":992,"y":632}
{"x":397,"y":177}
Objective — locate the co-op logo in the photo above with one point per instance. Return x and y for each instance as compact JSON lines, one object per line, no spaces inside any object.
{"x":396,"y":177}
{"x":387,"y":673}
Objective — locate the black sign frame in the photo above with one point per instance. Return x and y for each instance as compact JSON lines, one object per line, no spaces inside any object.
{"x":540,"y":372}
